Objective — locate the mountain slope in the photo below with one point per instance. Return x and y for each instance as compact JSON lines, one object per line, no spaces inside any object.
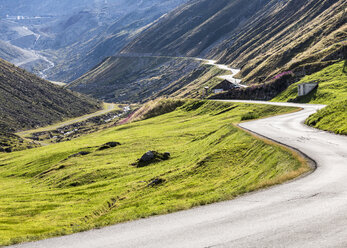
{"x":262,"y":37}
{"x":107,"y":38}
{"x":28,"y":101}
{"x":47,"y":7}
{"x":192,"y":28}
{"x":292,"y":34}
{"x":12,"y":53}
{"x":132,"y":79}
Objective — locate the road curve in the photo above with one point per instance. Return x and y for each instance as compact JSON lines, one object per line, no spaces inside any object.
{"x":309,"y":212}
{"x":229,"y":76}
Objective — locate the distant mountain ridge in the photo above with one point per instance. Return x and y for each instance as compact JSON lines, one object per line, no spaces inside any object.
{"x":263,"y":37}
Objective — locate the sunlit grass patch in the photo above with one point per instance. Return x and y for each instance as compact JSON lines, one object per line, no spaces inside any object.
{"x":332,"y":90}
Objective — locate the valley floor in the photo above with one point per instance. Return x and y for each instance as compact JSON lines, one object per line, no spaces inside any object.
{"x":108,"y":107}
{"x":80,"y":185}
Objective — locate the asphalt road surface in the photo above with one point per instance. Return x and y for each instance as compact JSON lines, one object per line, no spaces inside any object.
{"x":308,"y":212}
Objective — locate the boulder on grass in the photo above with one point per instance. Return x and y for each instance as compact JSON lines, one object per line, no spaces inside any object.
{"x":82,"y":153}
{"x":156,"y":182}
{"x":151,"y":157}
{"x":108,"y":145}
{"x":147,"y":157}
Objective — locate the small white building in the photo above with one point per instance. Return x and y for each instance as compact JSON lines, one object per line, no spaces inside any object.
{"x":305,"y":88}
{"x":216,"y":91}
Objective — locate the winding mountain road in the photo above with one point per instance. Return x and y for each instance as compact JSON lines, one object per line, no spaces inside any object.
{"x":308,"y":212}
{"x":232,"y":72}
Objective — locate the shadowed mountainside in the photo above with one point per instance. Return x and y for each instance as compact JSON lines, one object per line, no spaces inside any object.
{"x":28,"y":101}
{"x":132,"y":79}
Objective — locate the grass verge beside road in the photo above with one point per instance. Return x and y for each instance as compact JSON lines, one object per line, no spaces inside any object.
{"x":332,"y":91}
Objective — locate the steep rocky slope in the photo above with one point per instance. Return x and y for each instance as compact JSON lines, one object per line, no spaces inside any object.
{"x":28,"y":101}
{"x":263,"y":37}
{"x":193,"y":28}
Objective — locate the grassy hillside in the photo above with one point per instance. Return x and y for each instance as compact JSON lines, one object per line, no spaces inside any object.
{"x":332,"y":86}
{"x":332,"y":91}
{"x":264,"y":38}
{"x":332,"y":118}
{"x":57,"y":190}
{"x":10,"y":142}
{"x":132,"y":79}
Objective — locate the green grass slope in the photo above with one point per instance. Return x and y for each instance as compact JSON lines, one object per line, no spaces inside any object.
{"x":332,"y":91}
{"x":48,"y":192}
{"x":332,"y":118}
{"x":10,"y":142}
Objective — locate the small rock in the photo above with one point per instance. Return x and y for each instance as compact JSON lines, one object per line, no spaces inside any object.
{"x":8,"y":150}
{"x":74,"y":184}
{"x":82,"y":153}
{"x":156,"y":182}
{"x":166,"y":155}
{"x":112,"y":144}
{"x":108,"y":145}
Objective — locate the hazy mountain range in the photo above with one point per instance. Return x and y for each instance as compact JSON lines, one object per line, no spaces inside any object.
{"x":74,"y":36}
